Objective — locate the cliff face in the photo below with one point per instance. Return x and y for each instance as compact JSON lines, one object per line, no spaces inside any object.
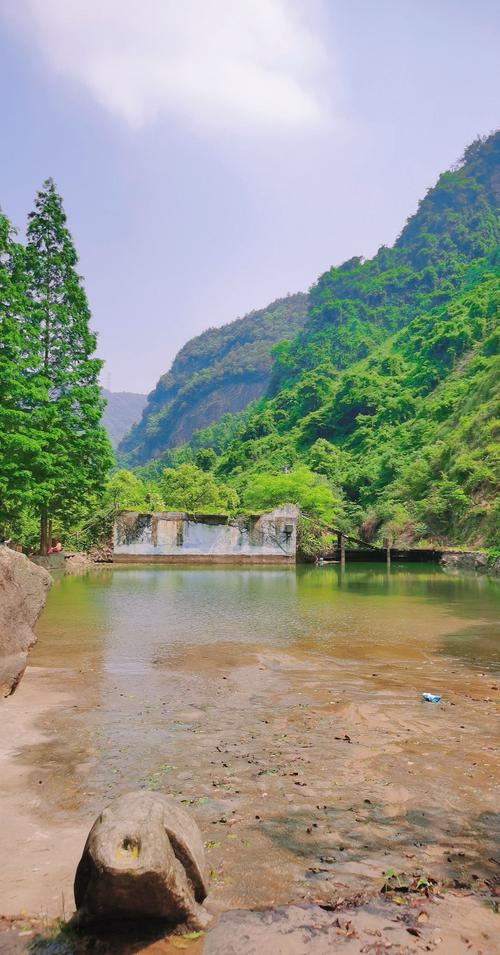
{"x":217,"y":372}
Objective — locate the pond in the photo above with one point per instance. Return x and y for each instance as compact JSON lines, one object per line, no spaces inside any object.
{"x":281,"y":705}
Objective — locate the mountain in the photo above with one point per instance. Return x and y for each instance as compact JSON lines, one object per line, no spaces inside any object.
{"x":391,"y":389}
{"x":123,"y":409}
{"x":220,"y":371}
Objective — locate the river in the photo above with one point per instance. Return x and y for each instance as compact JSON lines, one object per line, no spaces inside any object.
{"x":282,"y":705}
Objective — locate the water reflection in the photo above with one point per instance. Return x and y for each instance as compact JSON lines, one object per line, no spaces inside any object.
{"x":135,"y":615}
{"x":284,"y":700}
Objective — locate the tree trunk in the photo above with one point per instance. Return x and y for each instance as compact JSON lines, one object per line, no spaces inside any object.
{"x":44,"y":531}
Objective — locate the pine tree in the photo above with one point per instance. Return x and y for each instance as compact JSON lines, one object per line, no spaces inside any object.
{"x":75,"y":451}
{"x":17,"y":448}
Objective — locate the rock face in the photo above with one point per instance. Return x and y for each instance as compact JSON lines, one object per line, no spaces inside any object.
{"x":143,"y":859}
{"x":463,"y":560}
{"x":23,"y":592}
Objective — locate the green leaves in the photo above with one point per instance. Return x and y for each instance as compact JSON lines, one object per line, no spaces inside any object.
{"x":310,"y":492}
{"x":188,"y":488}
{"x":54,"y":453}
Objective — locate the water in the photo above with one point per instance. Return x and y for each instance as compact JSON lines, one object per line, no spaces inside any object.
{"x":126,"y":616}
{"x":283,"y":707}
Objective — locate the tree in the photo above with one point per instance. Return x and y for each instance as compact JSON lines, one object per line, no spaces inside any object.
{"x":188,"y":488}
{"x":128,"y":492}
{"x":75,"y":453}
{"x":16,"y":447}
{"x":206,"y":459}
{"x":310,"y":492}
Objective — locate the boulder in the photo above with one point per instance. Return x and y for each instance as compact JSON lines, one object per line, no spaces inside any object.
{"x":143,"y":858}
{"x":465,"y":560}
{"x":78,"y":563}
{"x":23,"y":592}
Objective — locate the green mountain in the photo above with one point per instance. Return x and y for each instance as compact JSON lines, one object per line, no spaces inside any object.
{"x":391,"y":390}
{"x":123,"y":409}
{"x":220,"y":371}
{"x":382,"y":414}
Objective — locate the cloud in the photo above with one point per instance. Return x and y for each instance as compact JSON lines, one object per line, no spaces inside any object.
{"x":245,"y":65}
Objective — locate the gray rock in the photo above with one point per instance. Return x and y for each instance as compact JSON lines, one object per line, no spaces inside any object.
{"x":143,"y":858}
{"x":465,"y":560}
{"x":23,"y":592}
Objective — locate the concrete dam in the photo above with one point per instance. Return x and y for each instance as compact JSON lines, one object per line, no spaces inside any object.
{"x":175,"y":536}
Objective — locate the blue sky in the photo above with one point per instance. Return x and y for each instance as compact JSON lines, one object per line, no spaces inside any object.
{"x":216,"y":154}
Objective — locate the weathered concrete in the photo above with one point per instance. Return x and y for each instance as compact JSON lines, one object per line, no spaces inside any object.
{"x":143,"y":858}
{"x":23,"y":591}
{"x":177,"y":536}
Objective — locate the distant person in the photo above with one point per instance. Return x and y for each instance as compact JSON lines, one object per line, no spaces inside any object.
{"x":56,"y":547}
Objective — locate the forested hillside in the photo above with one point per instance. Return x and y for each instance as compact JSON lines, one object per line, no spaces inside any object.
{"x":217,"y":372}
{"x":382,"y":414}
{"x":391,"y":391}
{"x":122,"y":410}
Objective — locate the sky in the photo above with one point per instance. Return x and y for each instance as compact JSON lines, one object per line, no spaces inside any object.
{"x":214,"y":155}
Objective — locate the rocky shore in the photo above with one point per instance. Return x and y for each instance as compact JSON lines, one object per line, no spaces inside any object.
{"x":23,"y":592}
{"x":470,"y":560}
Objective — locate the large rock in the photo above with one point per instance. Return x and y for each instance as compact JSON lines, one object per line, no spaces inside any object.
{"x":143,"y":859}
{"x":23,"y":592}
{"x":465,"y":560}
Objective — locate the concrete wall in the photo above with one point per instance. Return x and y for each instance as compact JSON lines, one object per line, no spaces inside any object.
{"x":175,"y":536}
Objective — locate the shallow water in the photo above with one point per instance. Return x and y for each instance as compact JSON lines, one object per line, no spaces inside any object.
{"x":129,"y":615}
{"x":283,"y":706}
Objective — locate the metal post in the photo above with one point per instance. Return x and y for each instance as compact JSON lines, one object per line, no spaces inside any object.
{"x":341,"y":547}
{"x":387,"y":544}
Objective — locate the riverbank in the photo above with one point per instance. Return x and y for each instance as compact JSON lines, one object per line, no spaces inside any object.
{"x":321,"y":814}
{"x":477,"y":561}
{"x":300,"y":744}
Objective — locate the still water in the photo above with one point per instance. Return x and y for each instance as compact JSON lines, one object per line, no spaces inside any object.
{"x":127,"y":616}
{"x":283,"y":707}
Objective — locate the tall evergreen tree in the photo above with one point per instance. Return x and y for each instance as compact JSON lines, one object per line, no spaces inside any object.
{"x":16,"y":442}
{"x":75,"y":451}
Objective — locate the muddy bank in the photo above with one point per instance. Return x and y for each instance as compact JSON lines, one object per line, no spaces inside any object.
{"x":451,"y":922}
{"x":308,"y":781}
{"x":310,"y":763}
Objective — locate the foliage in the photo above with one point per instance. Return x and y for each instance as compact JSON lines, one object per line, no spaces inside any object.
{"x":54,"y":453}
{"x":310,"y":492}
{"x":222,"y":370}
{"x":205,"y":459}
{"x":391,"y":391}
{"x":73,"y":454}
{"x":188,"y":488}
{"x":16,"y":448}
{"x":126,"y":491}
{"x":314,"y":539}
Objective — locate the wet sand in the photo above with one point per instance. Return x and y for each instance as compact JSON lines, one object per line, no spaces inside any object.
{"x":311,"y":771}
